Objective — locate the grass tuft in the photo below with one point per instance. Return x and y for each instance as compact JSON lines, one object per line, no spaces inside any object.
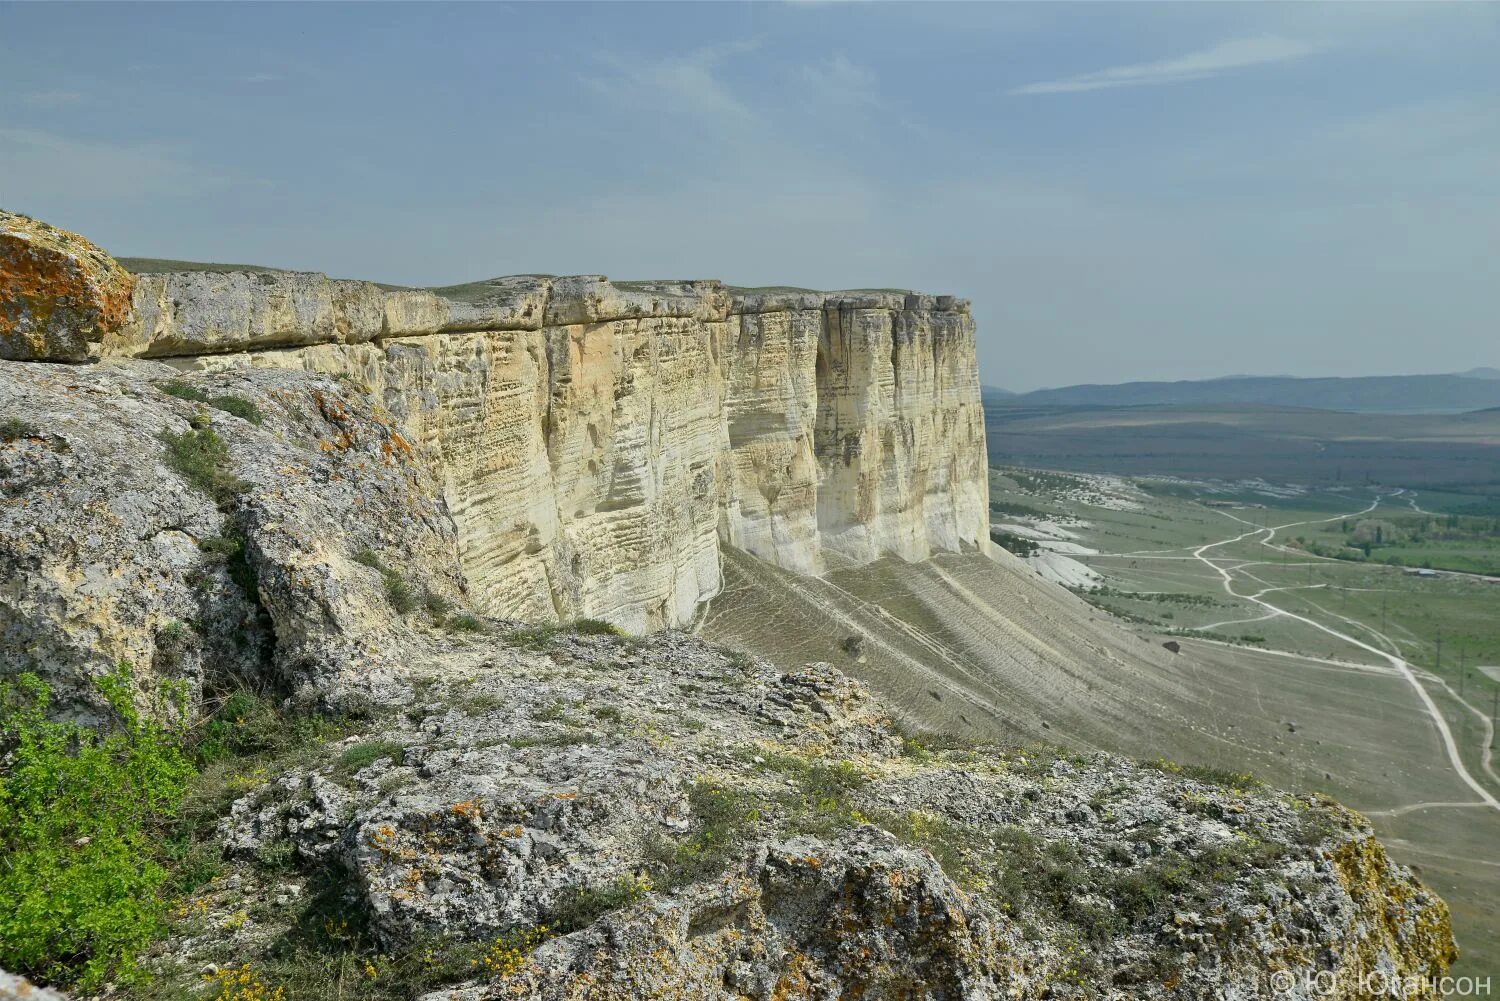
{"x":201,"y":457}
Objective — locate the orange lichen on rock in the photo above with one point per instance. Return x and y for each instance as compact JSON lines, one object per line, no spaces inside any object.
{"x":59,"y":294}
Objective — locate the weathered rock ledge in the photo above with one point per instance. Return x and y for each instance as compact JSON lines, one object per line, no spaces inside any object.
{"x":612,"y":819}
{"x":596,"y":443}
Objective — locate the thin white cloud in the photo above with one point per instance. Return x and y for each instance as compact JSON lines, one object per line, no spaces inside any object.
{"x":37,"y":164}
{"x":52,"y":98}
{"x":688,"y":83}
{"x":838,"y":81}
{"x":263,"y":78}
{"x":1241,"y":53}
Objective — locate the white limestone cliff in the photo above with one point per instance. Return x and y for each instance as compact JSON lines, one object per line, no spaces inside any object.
{"x":598,"y":442}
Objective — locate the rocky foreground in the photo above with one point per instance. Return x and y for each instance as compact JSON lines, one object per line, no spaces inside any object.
{"x":607,"y":817}
{"x":659,"y":819}
{"x":436,"y":802}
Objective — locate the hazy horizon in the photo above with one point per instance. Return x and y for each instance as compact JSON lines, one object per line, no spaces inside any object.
{"x":1473,"y":371}
{"x":1126,"y":192}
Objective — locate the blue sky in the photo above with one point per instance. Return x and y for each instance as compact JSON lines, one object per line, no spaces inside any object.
{"x":1124,"y":190}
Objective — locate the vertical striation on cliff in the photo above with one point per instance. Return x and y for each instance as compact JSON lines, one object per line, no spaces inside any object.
{"x":598,"y":442}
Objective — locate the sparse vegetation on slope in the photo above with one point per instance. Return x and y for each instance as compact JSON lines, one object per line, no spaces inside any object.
{"x":201,"y":456}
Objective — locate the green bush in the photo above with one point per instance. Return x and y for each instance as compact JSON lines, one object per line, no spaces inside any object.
{"x":237,"y":406}
{"x":244,"y":723}
{"x":202,"y":458}
{"x":363,"y":755}
{"x":183,"y":391}
{"x":465,"y":624}
{"x":534,"y":637}
{"x":437,"y":606}
{"x":79,"y":885}
{"x":14,"y":429}
{"x":230,"y":547}
{"x":1014,"y":543}
{"x":397,"y":591}
{"x":594,"y":627}
{"x":581,"y":906}
{"x":725,"y":816}
{"x":230,"y":404}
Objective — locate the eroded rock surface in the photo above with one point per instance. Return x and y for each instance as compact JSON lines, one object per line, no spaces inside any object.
{"x":598,"y":443}
{"x":318,"y":487}
{"x":643,"y":820}
{"x":111,"y":553}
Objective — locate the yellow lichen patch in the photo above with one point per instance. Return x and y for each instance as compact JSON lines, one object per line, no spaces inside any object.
{"x":469,"y":809}
{"x":794,"y":982}
{"x":1414,"y":932}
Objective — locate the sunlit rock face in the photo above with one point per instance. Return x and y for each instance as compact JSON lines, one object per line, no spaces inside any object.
{"x":598,"y":442}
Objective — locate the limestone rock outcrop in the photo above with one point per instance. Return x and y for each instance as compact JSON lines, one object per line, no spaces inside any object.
{"x":337,"y":492}
{"x":243,"y":526}
{"x":598,"y":443}
{"x":626,"y":820}
{"x":59,"y":294}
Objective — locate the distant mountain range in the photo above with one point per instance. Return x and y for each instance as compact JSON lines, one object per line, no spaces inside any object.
{"x":1476,"y":389}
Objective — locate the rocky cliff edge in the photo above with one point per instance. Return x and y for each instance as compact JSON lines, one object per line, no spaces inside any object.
{"x":595,"y":443}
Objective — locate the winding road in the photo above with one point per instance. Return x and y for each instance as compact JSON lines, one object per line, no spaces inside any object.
{"x":1398,"y":663}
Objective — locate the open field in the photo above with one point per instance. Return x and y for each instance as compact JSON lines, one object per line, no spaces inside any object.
{"x":977,"y":644}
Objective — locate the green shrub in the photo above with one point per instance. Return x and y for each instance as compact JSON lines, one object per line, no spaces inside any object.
{"x":534,"y":637}
{"x":725,"y":815}
{"x":437,"y":606}
{"x":230,"y":547}
{"x":14,"y":429}
{"x":397,"y":591}
{"x":244,"y":723}
{"x":465,"y":623}
{"x":183,"y":391}
{"x":1228,"y":778}
{"x":238,"y":406}
{"x":277,"y":856}
{"x":581,"y":906}
{"x":594,"y":627}
{"x":79,"y":882}
{"x":363,"y":755}
{"x":821,"y":799}
{"x":1014,"y":543}
{"x":229,"y":403}
{"x":202,"y":458}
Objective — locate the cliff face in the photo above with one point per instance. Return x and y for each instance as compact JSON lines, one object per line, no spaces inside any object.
{"x":598,"y":442}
